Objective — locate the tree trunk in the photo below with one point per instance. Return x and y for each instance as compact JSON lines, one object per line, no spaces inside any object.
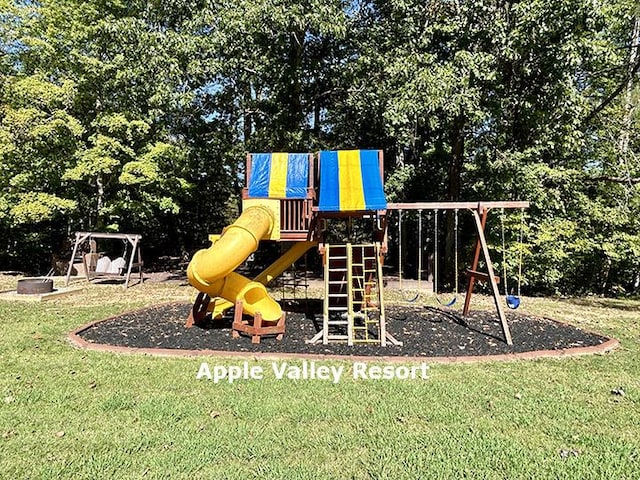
{"x":453,"y":193}
{"x":99,"y":199}
{"x":294,"y":115}
{"x":457,"y":157}
{"x":623,"y":143}
{"x":247,"y":122}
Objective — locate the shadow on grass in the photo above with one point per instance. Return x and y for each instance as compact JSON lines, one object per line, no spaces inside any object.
{"x":598,"y":302}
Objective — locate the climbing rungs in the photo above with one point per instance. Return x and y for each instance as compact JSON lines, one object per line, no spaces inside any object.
{"x":353,"y":282}
{"x":483,"y":277}
{"x":338,"y":337}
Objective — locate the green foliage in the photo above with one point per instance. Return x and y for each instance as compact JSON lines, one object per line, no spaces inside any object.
{"x":38,"y":207}
{"x":38,"y":136}
{"x":137,"y":115}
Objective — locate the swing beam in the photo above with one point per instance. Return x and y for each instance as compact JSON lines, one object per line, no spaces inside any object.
{"x":480,"y":212}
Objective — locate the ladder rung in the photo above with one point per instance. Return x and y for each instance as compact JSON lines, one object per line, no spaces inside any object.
{"x":352,"y":272}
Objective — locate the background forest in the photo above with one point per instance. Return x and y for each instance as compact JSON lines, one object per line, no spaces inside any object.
{"x":136,"y":115}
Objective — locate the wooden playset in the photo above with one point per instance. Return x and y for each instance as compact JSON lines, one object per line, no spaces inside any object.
{"x":295,"y":198}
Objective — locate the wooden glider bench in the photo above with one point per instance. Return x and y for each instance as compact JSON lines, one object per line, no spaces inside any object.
{"x":134,"y":261}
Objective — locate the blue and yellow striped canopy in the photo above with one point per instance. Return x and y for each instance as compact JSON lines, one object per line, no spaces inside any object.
{"x":350,"y":181}
{"x":279,"y":175}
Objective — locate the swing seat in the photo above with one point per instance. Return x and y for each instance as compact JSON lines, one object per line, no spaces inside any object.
{"x":450,"y":303}
{"x":97,"y":267}
{"x":411,"y":299}
{"x":513,"y":301}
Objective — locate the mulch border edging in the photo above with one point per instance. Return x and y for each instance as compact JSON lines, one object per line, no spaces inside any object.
{"x":74,"y":338}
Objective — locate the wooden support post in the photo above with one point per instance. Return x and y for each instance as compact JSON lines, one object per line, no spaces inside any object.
{"x":257,"y":330}
{"x":81,"y":237}
{"x":474,"y":265}
{"x":134,"y":243}
{"x":73,"y":257}
{"x":483,"y":277}
{"x":492,"y":278}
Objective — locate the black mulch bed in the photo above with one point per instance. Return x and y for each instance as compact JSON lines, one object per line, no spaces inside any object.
{"x":425,"y":331}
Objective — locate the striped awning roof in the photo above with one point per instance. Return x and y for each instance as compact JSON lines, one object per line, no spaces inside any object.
{"x":350,"y":181}
{"x":279,"y":175}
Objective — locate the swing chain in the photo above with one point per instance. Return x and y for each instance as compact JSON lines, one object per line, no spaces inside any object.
{"x":504,"y":253}
{"x":400,"y":248}
{"x":455,"y":245}
{"x":521,"y":248}
{"x":520,"y":251}
{"x":420,"y":249}
{"x":435,"y":252}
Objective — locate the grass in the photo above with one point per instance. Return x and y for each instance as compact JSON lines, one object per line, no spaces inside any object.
{"x":69,"y":413}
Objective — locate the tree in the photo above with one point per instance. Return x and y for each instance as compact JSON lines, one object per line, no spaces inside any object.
{"x":137,"y":115}
{"x":38,"y":137}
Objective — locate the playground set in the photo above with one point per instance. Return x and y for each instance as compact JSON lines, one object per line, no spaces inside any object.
{"x":310,"y":201}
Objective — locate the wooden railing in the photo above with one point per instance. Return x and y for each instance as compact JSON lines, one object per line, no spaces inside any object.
{"x":295,"y":217}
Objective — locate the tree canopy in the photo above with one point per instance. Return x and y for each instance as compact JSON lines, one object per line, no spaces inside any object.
{"x":136,"y":116}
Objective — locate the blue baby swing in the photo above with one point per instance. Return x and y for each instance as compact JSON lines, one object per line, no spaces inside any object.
{"x":513,"y":301}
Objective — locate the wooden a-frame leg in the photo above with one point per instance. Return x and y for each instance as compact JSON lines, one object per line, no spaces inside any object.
{"x":237,"y":319}
{"x":474,"y":265}
{"x":257,"y":325}
{"x":492,"y":279}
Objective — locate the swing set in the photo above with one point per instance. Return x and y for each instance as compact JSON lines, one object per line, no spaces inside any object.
{"x":513,"y":301}
{"x":480,"y":211}
{"x":413,"y":296}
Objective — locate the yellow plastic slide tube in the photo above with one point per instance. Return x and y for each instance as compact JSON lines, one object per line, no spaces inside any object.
{"x":211,"y":269}
{"x":273,"y":271}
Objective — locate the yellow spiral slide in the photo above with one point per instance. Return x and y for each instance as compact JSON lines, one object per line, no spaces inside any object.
{"x":211,"y":270}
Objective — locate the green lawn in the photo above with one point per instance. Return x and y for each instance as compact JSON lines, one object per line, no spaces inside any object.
{"x":70,"y":413}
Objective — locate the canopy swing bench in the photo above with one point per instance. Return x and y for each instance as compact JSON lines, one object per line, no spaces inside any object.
{"x":92,"y":263}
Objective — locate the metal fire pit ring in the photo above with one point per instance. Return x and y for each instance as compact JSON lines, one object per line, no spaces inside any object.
{"x":31,"y":286}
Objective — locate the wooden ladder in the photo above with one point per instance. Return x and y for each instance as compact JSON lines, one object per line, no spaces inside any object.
{"x":353,"y":307}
